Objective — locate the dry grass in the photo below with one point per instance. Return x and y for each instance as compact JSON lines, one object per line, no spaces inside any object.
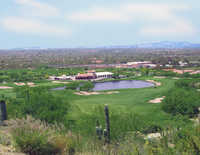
{"x":33,"y":136}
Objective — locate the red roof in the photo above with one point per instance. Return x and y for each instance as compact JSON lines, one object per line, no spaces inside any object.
{"x":85,"y":75}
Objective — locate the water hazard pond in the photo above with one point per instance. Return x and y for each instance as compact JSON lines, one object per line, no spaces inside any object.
{"x":117,"y":85}
{"x":121,"y":85}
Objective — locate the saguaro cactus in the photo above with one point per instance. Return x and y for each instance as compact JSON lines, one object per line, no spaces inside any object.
{"x":199,"y":115}
{"x":99,"y":130}
{"x":107,"y":131}
{"x":3,"y":111}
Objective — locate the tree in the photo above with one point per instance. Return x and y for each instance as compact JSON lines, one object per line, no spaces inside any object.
{"x":73,"y":85}
{"x":181,"y":101}
{"x":39,"y":103}
{"x":87,"y":86}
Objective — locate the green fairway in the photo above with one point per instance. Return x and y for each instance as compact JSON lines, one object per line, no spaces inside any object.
{"x":126,"y":101}
{"x":135,"y":101}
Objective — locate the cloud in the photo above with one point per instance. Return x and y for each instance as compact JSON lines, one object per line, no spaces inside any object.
{"x":98,"y":14}
{"x":178,"y":28}
{"x":40,"y":9}
{"x":34,"y":27}
{"x":128,"y":12}
{"x":154,"y":19}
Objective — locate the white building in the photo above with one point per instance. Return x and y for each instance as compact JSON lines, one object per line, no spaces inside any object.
{"x":104,"y":75}
{"x":52,"y":77}
{"x":150,"y":65}
{"x":138,"y":62}
{"x":182,"y":64}
{"x":63,"y":77}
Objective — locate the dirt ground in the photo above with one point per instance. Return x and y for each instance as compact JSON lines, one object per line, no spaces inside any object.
{"x":6,"y":148}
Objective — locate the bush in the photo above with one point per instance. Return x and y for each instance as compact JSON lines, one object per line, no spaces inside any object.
{"x":120,"y":123}
{"x":187,"y":141}
{"x":34,"y":137}
{"x":181,"y":101}
{"x":153,"y":128}
{"x":188,"y":83}
{"x":40,"y":104}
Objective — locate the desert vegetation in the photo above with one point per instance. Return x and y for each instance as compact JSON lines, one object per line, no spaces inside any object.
{"x":43,"y":121}
{"x":21,"y":58}
{"x":63,"y":112}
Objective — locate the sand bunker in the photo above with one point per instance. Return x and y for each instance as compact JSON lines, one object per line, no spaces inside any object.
{"x":77,"y":93}
{"x":59,"y":82}
{"x":157,"y":100}
{"x":154,"y":82}
{"x":5,"y":87}
{"x":30,"y":84}
{"x":20,"y":84}
{"x":111,"y":92}
{"x":175,"y":78}
{"x":95,"y":93}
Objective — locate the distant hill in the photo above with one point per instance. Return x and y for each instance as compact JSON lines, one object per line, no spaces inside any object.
{"x":28,"y":48}
{"x":160,"y":45}
{"x":150,"y":45}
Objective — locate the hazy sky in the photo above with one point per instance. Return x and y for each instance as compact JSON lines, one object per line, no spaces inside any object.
{"x":89,"y":23}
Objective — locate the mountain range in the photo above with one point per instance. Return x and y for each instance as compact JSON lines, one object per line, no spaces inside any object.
{"x":150,"y":45}
{"x":160,"y":45}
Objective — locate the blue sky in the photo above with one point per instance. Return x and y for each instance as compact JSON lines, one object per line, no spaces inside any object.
{"x":90,"y":23}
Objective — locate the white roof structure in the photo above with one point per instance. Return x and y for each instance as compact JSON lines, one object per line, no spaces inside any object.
{"x":138,"y":62}
{"x":52,"y":76}
{"x":63,"y":76}
{"x":150,"y":65}
{"x":103,"y":73}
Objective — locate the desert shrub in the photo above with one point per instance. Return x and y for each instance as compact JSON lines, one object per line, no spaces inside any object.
{"x":183,"y":83}
{"x":120,"y":123}
{"x":152,"y":128}
{"x":35,"y":137}
{"x":164,"y":73}
{"x":4,"y":139}
{"x":188,"y":83}
{"x":39,"y":103}
{"x":33,"y":142}
{"x":181,"y":101}
{"x":187,"y":140}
